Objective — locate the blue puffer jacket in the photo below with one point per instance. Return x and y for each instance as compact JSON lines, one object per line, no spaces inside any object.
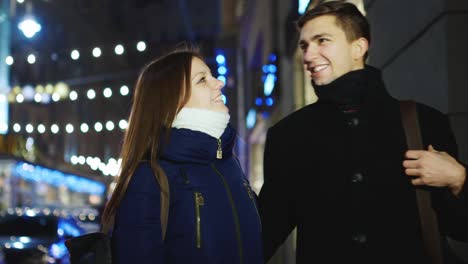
{"x":213,"y":215}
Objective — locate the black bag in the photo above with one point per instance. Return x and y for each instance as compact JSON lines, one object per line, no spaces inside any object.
{"x":90,"y":249}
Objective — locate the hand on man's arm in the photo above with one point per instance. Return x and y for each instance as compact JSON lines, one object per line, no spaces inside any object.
{"x":435,"y":168}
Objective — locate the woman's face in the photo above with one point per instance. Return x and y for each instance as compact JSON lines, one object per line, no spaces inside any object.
{"x":206,"y":89}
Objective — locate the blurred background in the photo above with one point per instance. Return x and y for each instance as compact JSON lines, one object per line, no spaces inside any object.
{"x":68,"y":67}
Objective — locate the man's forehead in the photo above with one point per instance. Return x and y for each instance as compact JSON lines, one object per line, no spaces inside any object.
{"x":318,"y":26}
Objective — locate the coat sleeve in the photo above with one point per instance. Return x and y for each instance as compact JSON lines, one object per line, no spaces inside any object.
{"x":452,"y":212}
{"x":276,"y":202}
{"x":137,"y":237}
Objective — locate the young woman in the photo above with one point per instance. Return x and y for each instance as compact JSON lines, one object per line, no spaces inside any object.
{"x":179,"y":134}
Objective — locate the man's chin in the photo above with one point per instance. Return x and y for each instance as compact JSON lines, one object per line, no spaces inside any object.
{"x":320,"y":81}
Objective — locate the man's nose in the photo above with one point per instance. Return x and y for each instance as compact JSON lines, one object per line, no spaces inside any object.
{"x":310,"y":53}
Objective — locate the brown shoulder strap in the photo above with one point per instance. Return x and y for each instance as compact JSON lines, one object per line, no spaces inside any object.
{"x":429,"y":226}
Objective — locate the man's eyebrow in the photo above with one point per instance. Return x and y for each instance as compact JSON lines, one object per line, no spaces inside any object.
{"x":315,"y":37}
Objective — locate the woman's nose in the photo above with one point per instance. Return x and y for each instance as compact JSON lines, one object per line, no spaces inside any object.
{"x":218,"y":84}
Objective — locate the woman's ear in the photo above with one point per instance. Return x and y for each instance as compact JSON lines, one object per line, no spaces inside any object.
{"x":360,"y":47}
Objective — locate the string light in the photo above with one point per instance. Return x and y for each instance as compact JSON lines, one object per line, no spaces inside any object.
{"x":19,"y":98}
{"x":141,"y":46}
{"x":69,"y":128}
{"x":123,"y":124}
{"x":38,"y":98}
{"x":112,"y":168}
{"x":73,"y":95}
{"x":110,"y":125}
{"x":41,"y":129}
{"x":98,"y":126}
{"x":54,"y":128}
{"x":31,"y":59}
{"x":91,"y":94}
{"x":89,"y":160}
{"x":124,"y":90}
{"x":84,"y":128}
{"x":29,"y":128}
{"x":55,"y":97}
{"x":75,"y":54}
{"x":107,"y":92}
{"x":61,"y":91}
{"x":97,"y":52}
{"x":9,"y":60}
{"x":119,"y":49}
{"x":74,"y":160}
{"x":16,"y":127}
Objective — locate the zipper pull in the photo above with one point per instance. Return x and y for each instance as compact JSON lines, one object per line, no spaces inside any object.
{"x":249,"y":191}
{"x":199,"y":198}
{"x":219,"y":152}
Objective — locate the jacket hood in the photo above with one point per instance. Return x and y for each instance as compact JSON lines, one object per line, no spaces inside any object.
{"x":185,"y":145}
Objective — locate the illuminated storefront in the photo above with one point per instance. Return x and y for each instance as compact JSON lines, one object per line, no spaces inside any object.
{"x":25,"y":184}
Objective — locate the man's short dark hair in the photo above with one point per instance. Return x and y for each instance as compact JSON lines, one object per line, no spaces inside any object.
{"x":348,"y":18}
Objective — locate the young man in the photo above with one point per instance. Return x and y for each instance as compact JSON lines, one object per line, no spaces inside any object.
{"x":352,"y":194}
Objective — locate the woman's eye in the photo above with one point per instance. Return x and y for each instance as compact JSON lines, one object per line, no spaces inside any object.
{"x":202,"y":80}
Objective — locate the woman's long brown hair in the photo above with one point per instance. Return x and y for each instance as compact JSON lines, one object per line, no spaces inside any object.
{"x":161,"y":90}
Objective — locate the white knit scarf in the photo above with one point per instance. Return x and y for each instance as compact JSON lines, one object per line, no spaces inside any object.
{"x":210,"y":122}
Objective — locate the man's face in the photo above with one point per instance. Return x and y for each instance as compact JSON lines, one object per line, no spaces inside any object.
{"x":327,"y":54}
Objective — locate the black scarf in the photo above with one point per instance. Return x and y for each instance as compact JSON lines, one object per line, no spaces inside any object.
{"x":352,"y":87}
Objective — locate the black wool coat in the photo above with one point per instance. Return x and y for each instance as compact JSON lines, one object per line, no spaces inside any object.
{"x":334,"y":170}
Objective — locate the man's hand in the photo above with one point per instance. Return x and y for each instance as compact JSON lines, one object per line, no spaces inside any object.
{"x":434,"y":168}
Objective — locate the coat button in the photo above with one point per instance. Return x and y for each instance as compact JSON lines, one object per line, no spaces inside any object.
{"x":359,"y":238}
{"x":357,"y":177}
{"x":353,"y":122}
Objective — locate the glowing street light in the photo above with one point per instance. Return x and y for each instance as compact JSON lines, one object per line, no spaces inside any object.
{"x":29,"y":27}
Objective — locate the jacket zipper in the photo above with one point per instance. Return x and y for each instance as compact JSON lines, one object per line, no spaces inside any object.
{"x":199,"y":201}
{"x":252,"y":198}
{"x":219,"y":152}
{"x":234,"y":213}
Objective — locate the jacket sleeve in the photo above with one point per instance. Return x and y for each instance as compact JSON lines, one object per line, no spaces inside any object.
{"x":137,"y":236}
{"x":452,"y":211}
{"x":276,"y":203}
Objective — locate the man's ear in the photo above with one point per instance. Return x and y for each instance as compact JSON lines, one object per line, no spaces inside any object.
{"x":360,"y":47}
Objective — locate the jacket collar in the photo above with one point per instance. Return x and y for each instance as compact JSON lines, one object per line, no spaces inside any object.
{"x":353,"y":87}
{"x":185,"y":145}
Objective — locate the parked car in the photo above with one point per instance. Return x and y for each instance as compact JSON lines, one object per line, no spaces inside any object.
{"x":30,"y":237}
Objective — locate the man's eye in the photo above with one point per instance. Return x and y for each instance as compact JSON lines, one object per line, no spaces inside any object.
{"x":322,"y":40}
